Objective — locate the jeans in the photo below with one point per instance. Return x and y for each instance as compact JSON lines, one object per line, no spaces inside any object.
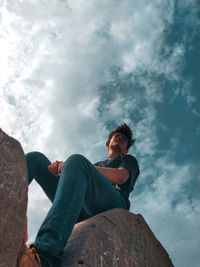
{"x":80,"y":192}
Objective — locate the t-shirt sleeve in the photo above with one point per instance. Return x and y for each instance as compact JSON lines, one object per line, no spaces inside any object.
{"x":131,"y":165}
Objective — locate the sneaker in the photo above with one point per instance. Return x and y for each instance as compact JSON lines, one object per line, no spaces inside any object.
{"x":29,"y":258}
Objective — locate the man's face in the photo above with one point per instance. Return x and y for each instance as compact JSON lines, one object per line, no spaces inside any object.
{"x":118,"y":143}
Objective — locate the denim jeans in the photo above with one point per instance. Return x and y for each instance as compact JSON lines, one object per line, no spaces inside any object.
{"x":80,"y":192}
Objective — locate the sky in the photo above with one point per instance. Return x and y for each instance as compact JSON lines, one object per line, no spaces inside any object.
{"x":71,"y":71}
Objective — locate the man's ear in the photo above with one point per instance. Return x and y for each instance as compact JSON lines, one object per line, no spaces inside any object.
{"x":107,"y":144}
{"x":126,"y":151}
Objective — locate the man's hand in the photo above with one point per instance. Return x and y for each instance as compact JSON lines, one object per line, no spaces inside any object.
{"x":60,"y":167}
{"x":56,"y":167}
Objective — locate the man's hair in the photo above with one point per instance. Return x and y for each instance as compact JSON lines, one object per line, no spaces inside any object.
{"x":124,"y":129}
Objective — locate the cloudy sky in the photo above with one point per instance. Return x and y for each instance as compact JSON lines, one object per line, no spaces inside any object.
{"x":70,"y":71}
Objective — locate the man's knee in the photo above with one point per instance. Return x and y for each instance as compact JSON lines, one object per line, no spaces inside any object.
{"x":77,"y":162}
{"x":78,"y":158}
{"x":36,"y":160}
{"x":34,"y":155}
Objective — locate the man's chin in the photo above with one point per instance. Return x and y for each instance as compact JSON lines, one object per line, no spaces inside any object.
{"x":116,"y":148}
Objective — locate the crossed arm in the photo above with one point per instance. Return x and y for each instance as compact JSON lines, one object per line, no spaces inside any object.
{"x":115,"y":175}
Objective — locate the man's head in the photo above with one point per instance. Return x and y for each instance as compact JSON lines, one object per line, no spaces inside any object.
{"x":121,"y":138}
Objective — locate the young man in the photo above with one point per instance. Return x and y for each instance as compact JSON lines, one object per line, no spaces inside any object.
{"x":78,"y":190}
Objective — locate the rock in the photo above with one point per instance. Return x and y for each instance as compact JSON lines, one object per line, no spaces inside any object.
{"x":13,"y":199}
{"x":114,"y":238}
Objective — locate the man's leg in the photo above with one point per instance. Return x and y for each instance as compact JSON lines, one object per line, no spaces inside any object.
{"x":37,"y":165}
{"x":81,"y":187}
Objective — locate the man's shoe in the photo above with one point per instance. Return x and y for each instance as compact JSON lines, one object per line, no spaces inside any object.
{"x":29,"y":258}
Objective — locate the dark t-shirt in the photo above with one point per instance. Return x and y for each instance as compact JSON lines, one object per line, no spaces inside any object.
{"x":131,"y":165}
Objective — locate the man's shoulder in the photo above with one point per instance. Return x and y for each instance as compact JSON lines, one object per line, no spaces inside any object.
{"x":130,"y":160}
{"x":100,"y":162}
{"x":129,"y":157}
{"x":120,"y":159}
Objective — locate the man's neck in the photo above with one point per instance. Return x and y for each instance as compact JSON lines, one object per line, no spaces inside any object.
{"x":113,"y":154}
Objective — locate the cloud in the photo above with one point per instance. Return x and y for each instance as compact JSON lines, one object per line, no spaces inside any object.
{"x":68,"y":52}
{"x":169,"y":209}
{"x":70,"y":71}
{"x":38,"y":207}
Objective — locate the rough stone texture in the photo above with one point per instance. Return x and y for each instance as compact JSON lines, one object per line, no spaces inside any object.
{"x":114,"y":238}
{"x":13,"y":199}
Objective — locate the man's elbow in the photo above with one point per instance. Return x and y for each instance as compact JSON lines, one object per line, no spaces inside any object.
{"x":122,"y":180}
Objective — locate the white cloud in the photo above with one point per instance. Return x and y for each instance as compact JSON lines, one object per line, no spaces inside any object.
{"x":61,"y":57}
{"x":56,"y":55}
{"x":38,"y":207}
{"x":171,"y":215}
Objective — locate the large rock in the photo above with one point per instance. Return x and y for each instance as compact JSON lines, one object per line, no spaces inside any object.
{"x":13,"y":199}
{"x":114,"y":238}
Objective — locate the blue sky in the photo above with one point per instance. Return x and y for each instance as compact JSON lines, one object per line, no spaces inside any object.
{"x":71,"y":71}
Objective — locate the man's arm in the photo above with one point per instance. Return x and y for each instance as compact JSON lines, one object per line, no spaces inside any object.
{"x":115,"y":175}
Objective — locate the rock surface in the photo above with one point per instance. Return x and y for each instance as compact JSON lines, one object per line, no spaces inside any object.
{"x":13,"y":199}
{"x":114,"y":238}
